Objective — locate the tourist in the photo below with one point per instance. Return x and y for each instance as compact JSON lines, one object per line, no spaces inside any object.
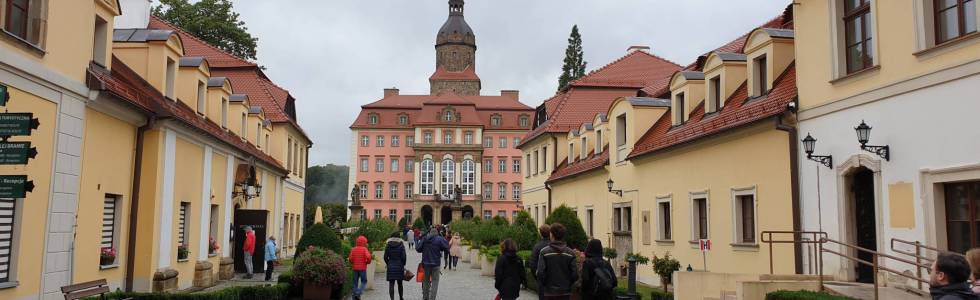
{"x":248,"y":248}
{"x":598,"y":276}
{"x":445,"y":256}
{"x":432,"y":247}
{"x":545,"y":232}
{"x":455,"y":250}
{"x":410,"y":237}
{"x":359,"y":258}
{"x":395,"y":260}
{"x":973,"y":258}
{"x":947,"y":280}
{"x":508,"y":274}
{"x":270,"y":257}
{"x":557,"y":270}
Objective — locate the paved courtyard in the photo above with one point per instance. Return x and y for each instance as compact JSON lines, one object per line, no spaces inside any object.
{"x":462,"y":283}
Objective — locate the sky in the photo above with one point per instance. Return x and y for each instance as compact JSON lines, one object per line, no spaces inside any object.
{"x":336,"y":55}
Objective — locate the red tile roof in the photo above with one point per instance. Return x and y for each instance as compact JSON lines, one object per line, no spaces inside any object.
{"x":194,"y":46}
{"x":442,"y":74}
{"x":589,"y":163}
{"x":739,"y":110}
{"x":123,"y":83}
{"x":636,"y":69}
{"x":424,"y":109}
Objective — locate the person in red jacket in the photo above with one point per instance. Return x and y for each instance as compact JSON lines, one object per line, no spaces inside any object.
{"x":248,"y":248}
{"x":359,"y":258}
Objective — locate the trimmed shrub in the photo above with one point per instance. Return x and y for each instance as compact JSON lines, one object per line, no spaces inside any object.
{"x":402,"y":223}
{"x":661,"y":295}
{"x":419,"y":224}
{"x":499,"y":221}
{"x":523,"y":231}
{"x":803,"y":295}
{"x":640,"y":259}
{"x":376,"y":231}
{"x":665,"y":267}
{"x":265,"y":292}
{"x":525,"y":255}
{"x":576,"y":237}
{"x":609,"y":253}
{"x":318,"y":235}
{"x":321,"y":267}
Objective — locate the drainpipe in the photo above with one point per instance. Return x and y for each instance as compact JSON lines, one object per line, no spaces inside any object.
{"x":794,"y":166}
{"x":135,"y":203}
{"x":554,"y":156}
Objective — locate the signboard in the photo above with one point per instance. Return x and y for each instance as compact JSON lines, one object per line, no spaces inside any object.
{"x":14,"y":124}
{"x":704,"y":245}
{"x":4,"y":96}
{"x":15,"y":186}
{"x":16,"y":153}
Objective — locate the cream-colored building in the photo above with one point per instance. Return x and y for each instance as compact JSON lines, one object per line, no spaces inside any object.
{"x":135,"y":136}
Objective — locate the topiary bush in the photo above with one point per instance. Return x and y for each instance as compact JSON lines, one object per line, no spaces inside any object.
{"x":804,"y":295}
{"x":419,"y":224}
{"x":576,"y":237}
{"x":265,"y":292}
{"x":320,"y":267}
{"x":524,"y":232}
{"x":665,"y":267}
{"x":609,"y":253}
{"x":319,"y":235}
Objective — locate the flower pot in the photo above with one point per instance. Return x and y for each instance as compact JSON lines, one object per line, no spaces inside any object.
{"x":379,"y":259}
{"x":105,"y":261}
{"x":316,"y":292}
{"x":475,"y":259}
{"x":371,"y":267}
{"x":464,"y":255}
{"x":486,"y":266}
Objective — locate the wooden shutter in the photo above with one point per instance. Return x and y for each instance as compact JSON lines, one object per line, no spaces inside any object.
{"x":182,"y":224}
{"x":108,"y":222}
{"x":7,"y":209}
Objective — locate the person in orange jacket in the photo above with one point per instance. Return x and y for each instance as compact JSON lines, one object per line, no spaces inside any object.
{"x":248,"y":249}
{"x":359,"y":258}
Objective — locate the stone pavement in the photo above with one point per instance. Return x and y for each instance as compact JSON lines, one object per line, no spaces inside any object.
{"x":463,"y":283}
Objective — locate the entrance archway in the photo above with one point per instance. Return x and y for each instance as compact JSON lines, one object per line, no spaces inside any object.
{"x":427,"y":215}
{"x":861,"y":206}
{"x":446,"y":215}
{"x":467,"y":212}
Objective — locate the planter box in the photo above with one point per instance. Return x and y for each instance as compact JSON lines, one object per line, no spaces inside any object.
{"x":316,"y":292}
{"x":486,"y":266}
{"x":475,"y":259}
{"x":379,"y":259}
{"x":370,"y":274}
{"x":464,"y":254}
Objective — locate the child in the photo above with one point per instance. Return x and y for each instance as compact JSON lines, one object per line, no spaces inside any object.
{"x":359,"y":258}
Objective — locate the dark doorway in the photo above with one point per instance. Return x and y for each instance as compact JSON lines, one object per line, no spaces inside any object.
{"x":865,"y":227}
{"x":427,"y":215}
{"x":962,"y":215}
{"x":467,"y":212}
{"x":447,"y":215}
{"x":257,"y":220}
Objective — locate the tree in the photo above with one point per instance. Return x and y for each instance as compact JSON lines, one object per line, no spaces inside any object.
{"x":327,"y":184}
{"x":319,"y":235}
{"x":213,"y":21}
{"x":574,"y":67}
{"x":575,"y":237}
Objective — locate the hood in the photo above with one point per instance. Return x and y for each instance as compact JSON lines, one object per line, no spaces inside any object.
{"x":594,"y":249}
{"x":362,"y":241}
{"x":392,"y":242}
{"x":510,"y":256}
{"x":962,"y":289}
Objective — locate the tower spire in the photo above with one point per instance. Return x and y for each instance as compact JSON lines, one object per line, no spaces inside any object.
{"x":455,"y":55}
{"x":456,"y":7}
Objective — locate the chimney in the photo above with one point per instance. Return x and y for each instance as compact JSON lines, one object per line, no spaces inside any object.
{"x":635,"y":48}
{"x":135,"y":14}
{"x":513,"y":94}
{"x":391,"y":92}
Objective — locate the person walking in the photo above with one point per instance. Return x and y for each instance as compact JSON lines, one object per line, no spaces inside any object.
{"x":545,"y":232}
{"x":598,"y":276}
{"x":395,"y":260}
{"x":508,"y":274}
{"x":973,"y":258}
{"x":557,"y":270}
{"x":455,"y":250}
{"x":270,"y":257}
{"x":432,"y":246}
{"x":947,"y":280}
{"x":410,"y":237}
{"x":248,"y":248}
{"x":359,"y":258}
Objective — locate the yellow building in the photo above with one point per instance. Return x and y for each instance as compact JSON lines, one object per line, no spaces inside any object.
{"x":708,"y":154}
{"x":135,"y":136}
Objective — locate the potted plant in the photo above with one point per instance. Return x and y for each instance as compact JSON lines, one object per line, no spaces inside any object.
{"x":320,"y":271}
{"x":107,"y":256}
{"x":665,"y":267}
{"x":182,"y":252}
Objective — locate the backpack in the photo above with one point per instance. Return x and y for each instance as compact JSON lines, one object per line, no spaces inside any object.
{"x":603,"y":281}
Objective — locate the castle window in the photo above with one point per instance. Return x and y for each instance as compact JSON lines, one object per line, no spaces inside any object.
{"x":408,"y":195}
{"x":954,"y":18}
{"x":427,"y":137}
{"x":24,"y":19}
{"x":487,"y":191}
{"x":495,"y":121}
{"x":373,"y":119}
{"x":468,"y":138}
{"x":448,"y":177}
{"x":447,"y":116}
{"x":488,"y":142}
{"x":501,"y":191}
{"x":362,"y":190}
{"x":378,"y":190}
{"x":488,"y":166}
{"x":523,"y":121}
{"x":365,"y":141}
{"x":393,"y":190}
{"x":410,"y":141}
{"x":469,"y":177}
{"x":395,"y":141}
{"x":403,"y":120}
{"x":858,"y":35}
{"x":448,"y":137}
{"x":381,"y":141}
{"x":428,"y":171}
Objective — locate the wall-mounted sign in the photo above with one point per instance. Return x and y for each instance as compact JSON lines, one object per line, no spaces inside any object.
{"x":4,"y":96}
{"x":15,"y":124}
{"x":16,"y":153}
{"x":15,"y":186}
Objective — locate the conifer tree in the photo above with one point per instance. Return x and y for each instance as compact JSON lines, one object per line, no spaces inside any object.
{"x":574,"y":67}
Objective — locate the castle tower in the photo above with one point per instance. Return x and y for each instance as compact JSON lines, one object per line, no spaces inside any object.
{"x":455,"y":56}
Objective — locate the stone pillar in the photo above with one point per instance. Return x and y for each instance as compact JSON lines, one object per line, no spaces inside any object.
{"x":203,"y":276}
{"x":355,"y":212}
{"x":165,"y":280}
{"x":226,"y":270}
{"x":457,"y":213}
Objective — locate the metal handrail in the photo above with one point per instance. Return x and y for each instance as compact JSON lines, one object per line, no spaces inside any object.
{"x":874,"y":263}
{"x":921,"y":261}
{"x":815,"y":238}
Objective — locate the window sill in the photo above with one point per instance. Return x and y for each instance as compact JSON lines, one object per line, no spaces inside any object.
{"x":665,"y":242}
{"x":9,"y":284}
{"x":106,"y":267}
{"x":182,"y":260}
{"x":857,"y":74}
{"x":24,"y":43}
{"x":745,"y":247}
{"x":212,"y":254}
{"x":947,"y":45}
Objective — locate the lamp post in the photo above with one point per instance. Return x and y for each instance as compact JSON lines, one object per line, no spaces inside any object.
{"x":609,"y":186}
{"x":864,"y":134}
{"x":631,"y":287}
{"x":808,"y":144}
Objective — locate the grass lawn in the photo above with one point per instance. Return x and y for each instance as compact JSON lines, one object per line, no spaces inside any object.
{"x":642,"y":289}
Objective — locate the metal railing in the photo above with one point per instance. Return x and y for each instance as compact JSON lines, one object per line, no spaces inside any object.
{"x":810,"y":238}
{"x":918,"y":252}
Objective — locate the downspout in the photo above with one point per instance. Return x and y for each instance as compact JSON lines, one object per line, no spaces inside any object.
{"x":135,"y":203}
{"x":794,"y":166}
{"x":554,"y":156}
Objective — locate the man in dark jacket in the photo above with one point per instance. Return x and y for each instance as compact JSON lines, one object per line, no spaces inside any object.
{"x":557,"y":270}
{"x":432,"y":247}
{"x":947,"y":280}
{"x":545,"y":231}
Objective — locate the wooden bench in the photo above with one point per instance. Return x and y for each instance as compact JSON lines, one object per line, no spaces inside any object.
{"x":86,"y":289}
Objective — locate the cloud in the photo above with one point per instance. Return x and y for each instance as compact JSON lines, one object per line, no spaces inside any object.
{"x":336,"y":55}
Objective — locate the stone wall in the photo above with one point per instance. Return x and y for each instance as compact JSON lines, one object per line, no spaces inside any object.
{"x":462,"y":88}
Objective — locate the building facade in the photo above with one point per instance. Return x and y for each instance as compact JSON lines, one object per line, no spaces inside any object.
{"x":912,"y":77}
{"x":447,"y":155}
{"x":134,"y":135}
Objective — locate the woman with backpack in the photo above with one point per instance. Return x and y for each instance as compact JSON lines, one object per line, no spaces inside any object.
{"x":509,"y":272}
{"x":598,"y":277}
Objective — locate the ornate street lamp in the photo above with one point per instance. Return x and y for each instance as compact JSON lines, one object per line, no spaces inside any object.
{"x":808,"y":144}
{"x":864,"y":134}
{"x":609,"y":186}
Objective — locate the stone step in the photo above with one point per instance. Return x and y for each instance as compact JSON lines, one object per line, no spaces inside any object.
{"x":866,"y":291}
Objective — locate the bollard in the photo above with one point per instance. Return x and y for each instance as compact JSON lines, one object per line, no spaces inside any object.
{"x":631,"y":289}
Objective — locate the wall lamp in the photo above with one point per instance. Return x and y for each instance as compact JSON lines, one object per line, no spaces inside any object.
{"x":609,"y":185}
{"x":864,"y":134}
{"x":808,"y":144}
{"x":247,"y":190}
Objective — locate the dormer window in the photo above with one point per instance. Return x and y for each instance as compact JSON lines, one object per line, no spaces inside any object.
{"x":244,"y":129}
{"x":714,"y":94}
{"x":403,"y":119}
{"x":224,"y":112}
{"x":759,"y":75}
{"x":495,"y":121}
{"x":621,"y":137}
{"x":447,"y":116}
{"x":571,"y":153}
{"x":168,"y":89}
{"x":100,"y":48}
{"x":679,"y":109}
{"x":598,"y":141}
{"x":373,"y":119}
{"x":585,"y":147}
{"x":523,"y":121}
{"x":202,"y":93}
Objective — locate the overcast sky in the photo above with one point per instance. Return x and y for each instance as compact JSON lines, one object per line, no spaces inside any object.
{"x":336,"y":55}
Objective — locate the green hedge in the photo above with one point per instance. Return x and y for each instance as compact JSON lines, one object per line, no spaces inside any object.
{"x":804,"y":295}
{"x":295,"y":289}
{"x":272,"y":292}
{"x":661,"y":295}
{"x":319,"y":235}
{"x":575,"y":237}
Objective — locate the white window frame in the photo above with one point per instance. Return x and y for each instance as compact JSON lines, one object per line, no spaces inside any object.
{"x":379,"y":190}
{"x":447,"y":176}
{"x":409,"y":165}
{"x":501,"y":191}
{"x":377,"y":214}
{"x":365,"y":141}
{"x":503,"y":142}
{"x":393,"y":190}
{"x":395,"y":141}
{"x":468,"y":138}
{"x":488,"y":166}
{"x":427,"y":177}
{"x":487,"y":191}
{"x":427,"y":137}
{"x":695,"y":224}
{"x":394,"y":165}
{"x":487,"y":214}
{"x":571,"y":153}
{"x":448,"y":137}
{"x":488,"y":142}
{"x":380,"y":141}
{"x":379,"y":165}
{"x":365,"y":166}
{"x":362,"y":189}
{"x":662,"y":231}
{"x":737,"y":214}
{"x":409,"y":190}
{"x":502,"y":166}
{"x":410,"y":141}
{"x":469,"y":177}
{"x":515,"y":189}
{"x":516,"y":165}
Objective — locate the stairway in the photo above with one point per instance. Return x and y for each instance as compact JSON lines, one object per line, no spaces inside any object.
{"x":866,"y":291}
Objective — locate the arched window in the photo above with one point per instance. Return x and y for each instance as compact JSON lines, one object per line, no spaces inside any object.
{"x":428,"y":171}
{"x":448,"y":177}
{"x":469,"y":176}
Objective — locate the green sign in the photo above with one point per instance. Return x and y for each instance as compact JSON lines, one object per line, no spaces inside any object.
{"x":15,"y":186}
{"x":12,"y":124}
{"x":16,"y":153}
{"x":4,"y":96}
